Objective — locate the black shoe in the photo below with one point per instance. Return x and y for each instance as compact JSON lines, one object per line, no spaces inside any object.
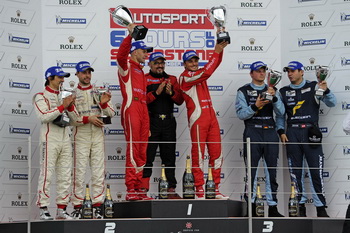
{"x":273,"y":212}
{"x":253,"y":210}
{"x":321,"y":212}
{"x":302,"y":210}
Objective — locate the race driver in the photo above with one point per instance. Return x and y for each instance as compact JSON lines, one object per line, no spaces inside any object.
{"x":134,"y":119}
{"x":55,"y":145}
{"x":203,"y":124}
{"x":88,"y":139}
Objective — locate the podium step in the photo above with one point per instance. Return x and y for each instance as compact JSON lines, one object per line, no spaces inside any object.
{"x":179,"y":209}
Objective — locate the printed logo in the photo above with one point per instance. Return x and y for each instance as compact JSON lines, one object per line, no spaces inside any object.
{"x":216,"y":88}
{"x":60,"y":20}
{"x":14,"y":176}
{"x":108,"y":131}
{"x":242,"y":22}
{"x":302,"y":42}
{"x":110,"y":176}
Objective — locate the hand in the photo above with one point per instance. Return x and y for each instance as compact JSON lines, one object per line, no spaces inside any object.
{"x":168,"y":88}
{"x":220,"y":47}
{"x":131,"y":27}
{"x":95,"y":121}
{"x":106,"y":96}
{"x":284,"y":138}
{"x":260,"y":102}
{"x":271,"y":91}
{"x":160,"y":88}
{"x":323,"y":85}
{"x":68,"y":101}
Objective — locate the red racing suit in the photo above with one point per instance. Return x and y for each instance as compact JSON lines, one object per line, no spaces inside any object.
{"x":203,"y":124}
{"x":55,"y":149}
{"x":88,"y":141}
{"x":134,"y":118}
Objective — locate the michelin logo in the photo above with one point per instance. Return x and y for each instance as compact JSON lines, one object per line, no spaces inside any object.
{"x":14,"y":130}
{"x":60,"y":20}
{"x":302,"y":42}
{"x":344,"y":61}
{"x":17,"y":39}
{"x":110,"y":176}
{"x":14,"y":176}
{"x":241,"y":22}
{"x":344,"y":17}
{"x":215,"y":88}
{"x":109,"y":131}
{"x":13,"y":84}
{"x":242,"y":66}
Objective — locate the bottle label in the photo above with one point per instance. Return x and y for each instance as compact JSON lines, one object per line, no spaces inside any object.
{"x":109,"y":212}
{"x":87,"y":213}
{"x":260,"y":211}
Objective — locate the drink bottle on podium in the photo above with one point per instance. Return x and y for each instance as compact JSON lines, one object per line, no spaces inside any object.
{"x":188,"y":181}
{"x":163,"y":185}
{"x":210,"y":186}
{"x":293,"y":204}
{"x":86,"y":212}
{"x":108,"y":204}
{"x":259,"y":203}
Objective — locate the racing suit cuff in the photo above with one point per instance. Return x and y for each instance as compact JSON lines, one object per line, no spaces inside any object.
{"x":280,"y":131}
{"x":274,"y":99}
{"x":85,"y":119}
{"x":254,"y":107}
{"x":154,"y":94}
{"x":327,"y":91}
{"x":70,"y":108}
{"x":61,"y":108}
{"x":104,"y":106}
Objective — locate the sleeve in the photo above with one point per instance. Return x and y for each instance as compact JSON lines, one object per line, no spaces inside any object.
{"x":76,"y":119}
{"x":107,"y":109}
{"x":123,"y":55}
{"x":243,"y":110}
{"x":193,"y":78}
{"x":346,"y":124}
{"x":329,"y":99}
{"x":177,"y":95}
{"x":44,"y":113}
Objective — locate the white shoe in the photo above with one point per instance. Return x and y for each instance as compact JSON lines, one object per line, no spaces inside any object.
{"x":62,"y":214}
{"x":45,"y":214}
{"x":219,"y":195}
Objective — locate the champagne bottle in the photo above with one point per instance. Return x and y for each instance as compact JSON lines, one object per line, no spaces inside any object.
{"x":259,"y":203}
{"x":163,"y":185}
{"x":188,"y":181}
{"x":210,"y":186}
{"x":293,"y":204}
{"x":108,"y":204}
{"x":86,"y":212}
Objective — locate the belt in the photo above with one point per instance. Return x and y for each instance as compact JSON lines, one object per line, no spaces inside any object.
{"x":300,"y":125}
{"x":261,"y":126}
{"x":162,"y":116}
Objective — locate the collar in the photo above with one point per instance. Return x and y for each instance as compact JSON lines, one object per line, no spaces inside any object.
{"x":258,"y":87}
{"x":298,"y":86}
{"x":49,"y":89}
{"x":162,"y":75}
{"x":136,"y":63}
{"x":84,"y":88}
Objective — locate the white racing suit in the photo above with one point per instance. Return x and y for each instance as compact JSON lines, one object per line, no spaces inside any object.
{"x":88,"y":146}
{"x":55,"y":149}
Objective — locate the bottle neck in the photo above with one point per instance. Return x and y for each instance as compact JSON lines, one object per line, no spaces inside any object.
{"x":163,"y":174}
{"x":188,"y":166}
{"x":210,"y":174}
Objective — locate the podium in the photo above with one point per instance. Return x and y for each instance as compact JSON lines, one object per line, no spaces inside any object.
{"x":180,"y":208}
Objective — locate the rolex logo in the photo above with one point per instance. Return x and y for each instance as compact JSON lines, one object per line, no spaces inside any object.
{"x":19,"y":104}
{"x":71,"y":39}
{"x":19,"y":150}
{"x":312,"y":60}
{"x":118,"y":106}
{"x":311,"y":16}
{"x":19,"y":58}
{"x":252,"y":41}
{"x":119,"y":150}
{"x":71,"y":84}
{"x":18,"y":13}
{"x":19,"y":196}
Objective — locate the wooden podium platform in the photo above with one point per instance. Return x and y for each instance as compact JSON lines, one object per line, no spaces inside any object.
{"x":183,"y":208}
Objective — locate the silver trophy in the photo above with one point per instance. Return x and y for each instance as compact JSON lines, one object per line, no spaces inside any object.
{"x":273,"y":78}
{"x":122,"y":16}
{"x":63,"y":120}
{"x":217,"y":16}
{"x":98,"y":92}
{"x":322,"y":73}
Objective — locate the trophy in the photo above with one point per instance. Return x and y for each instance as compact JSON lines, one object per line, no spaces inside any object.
{"x":122,"y":16}
{"x":217,"y":16}
{"x":98,"y":92}
{"x":273,"y":78}
{"x":63,"y":120}
{"x":322,"y":72}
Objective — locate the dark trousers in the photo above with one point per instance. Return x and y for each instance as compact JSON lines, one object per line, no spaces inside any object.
{"x":163,"y":135}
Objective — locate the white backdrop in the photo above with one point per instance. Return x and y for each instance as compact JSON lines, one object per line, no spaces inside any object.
{"x":63,"y":32}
